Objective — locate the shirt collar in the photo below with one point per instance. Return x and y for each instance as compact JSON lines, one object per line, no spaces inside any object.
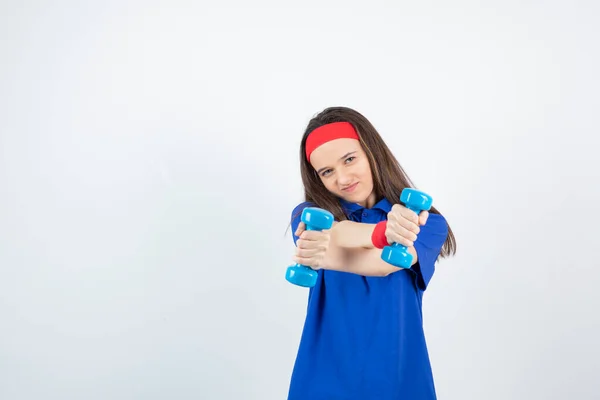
{"x":383,"y":205}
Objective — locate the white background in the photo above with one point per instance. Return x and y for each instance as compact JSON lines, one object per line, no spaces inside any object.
{"x":149,"y":165}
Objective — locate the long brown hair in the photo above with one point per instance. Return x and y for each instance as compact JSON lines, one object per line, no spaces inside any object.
{"x":389,"y":178}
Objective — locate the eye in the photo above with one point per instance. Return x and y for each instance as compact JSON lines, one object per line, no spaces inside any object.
{"x":349,"y":159}
{"x":326,"y":172}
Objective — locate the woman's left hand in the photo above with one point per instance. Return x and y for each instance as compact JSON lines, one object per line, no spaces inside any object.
{"x":403,"y":225}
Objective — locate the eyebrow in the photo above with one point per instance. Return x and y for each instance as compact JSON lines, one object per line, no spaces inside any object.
{"x":341,"y":158}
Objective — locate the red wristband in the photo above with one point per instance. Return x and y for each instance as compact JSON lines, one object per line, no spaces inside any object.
{"x":378,"y":237}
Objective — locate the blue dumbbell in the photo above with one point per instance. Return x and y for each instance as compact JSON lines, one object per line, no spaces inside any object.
{"x":316,"y":219}
{"x":397,"y":254}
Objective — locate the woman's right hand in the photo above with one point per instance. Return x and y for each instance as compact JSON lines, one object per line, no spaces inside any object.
{"x":311,"y":247}
{"x":403,"y":225}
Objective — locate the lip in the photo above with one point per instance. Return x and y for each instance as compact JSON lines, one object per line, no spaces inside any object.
{"x":350,"y":188}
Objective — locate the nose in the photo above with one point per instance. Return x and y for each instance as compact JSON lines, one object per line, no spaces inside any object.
{"x":344,"y":179}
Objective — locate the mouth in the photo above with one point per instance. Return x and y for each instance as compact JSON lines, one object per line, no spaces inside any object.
{"x":350,"y":188}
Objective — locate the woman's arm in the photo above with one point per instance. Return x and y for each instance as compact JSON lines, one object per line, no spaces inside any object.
{"x":361,"y":261}
{"x":351,"y":250}
{"x":425,"y":252}
{"x":350,"y":234}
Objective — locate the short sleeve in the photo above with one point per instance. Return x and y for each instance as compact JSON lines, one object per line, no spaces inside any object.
{"x":428,"y":246}
{"x":296,"y":217}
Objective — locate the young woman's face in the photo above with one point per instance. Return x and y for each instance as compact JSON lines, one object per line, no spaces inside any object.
{"x":344,"y":169}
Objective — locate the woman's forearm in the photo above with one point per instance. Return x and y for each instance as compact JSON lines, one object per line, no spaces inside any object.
{"x":368,"y":262}
{"x":358,"y":260}
{"x":350,"y":234}
{"x":351,"y":250}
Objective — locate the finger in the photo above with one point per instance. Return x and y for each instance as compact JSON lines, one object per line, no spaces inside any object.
{"x":399,"y":231}
{"x":400,"y":212}
{"x":315,"y":235}
{"x":410,"y":225}
{"x":307,"y":253}
{"x":303,"y":244}
{"x":411,"y":216}
{"x":408,"y":214}
{"x":404,"y":239}
{"x":312,"y":244}
{"x":301,"y":228}
{"x":397,"y":212}
{"x":394,"y":213}
{"x":309,"y":262}
{"x":395,"y":238}
{"x":423,"y":217}
{"x":301,"y":260}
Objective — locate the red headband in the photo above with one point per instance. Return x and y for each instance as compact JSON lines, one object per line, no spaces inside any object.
{"x":328,"y":132}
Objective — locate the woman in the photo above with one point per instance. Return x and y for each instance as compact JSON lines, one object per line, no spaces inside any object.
{"x":363,"y":335}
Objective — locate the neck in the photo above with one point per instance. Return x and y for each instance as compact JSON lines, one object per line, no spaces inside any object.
{"x":370,"y":201}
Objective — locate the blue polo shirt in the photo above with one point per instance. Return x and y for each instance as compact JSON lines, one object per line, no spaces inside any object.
{"x":363,"y":336}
